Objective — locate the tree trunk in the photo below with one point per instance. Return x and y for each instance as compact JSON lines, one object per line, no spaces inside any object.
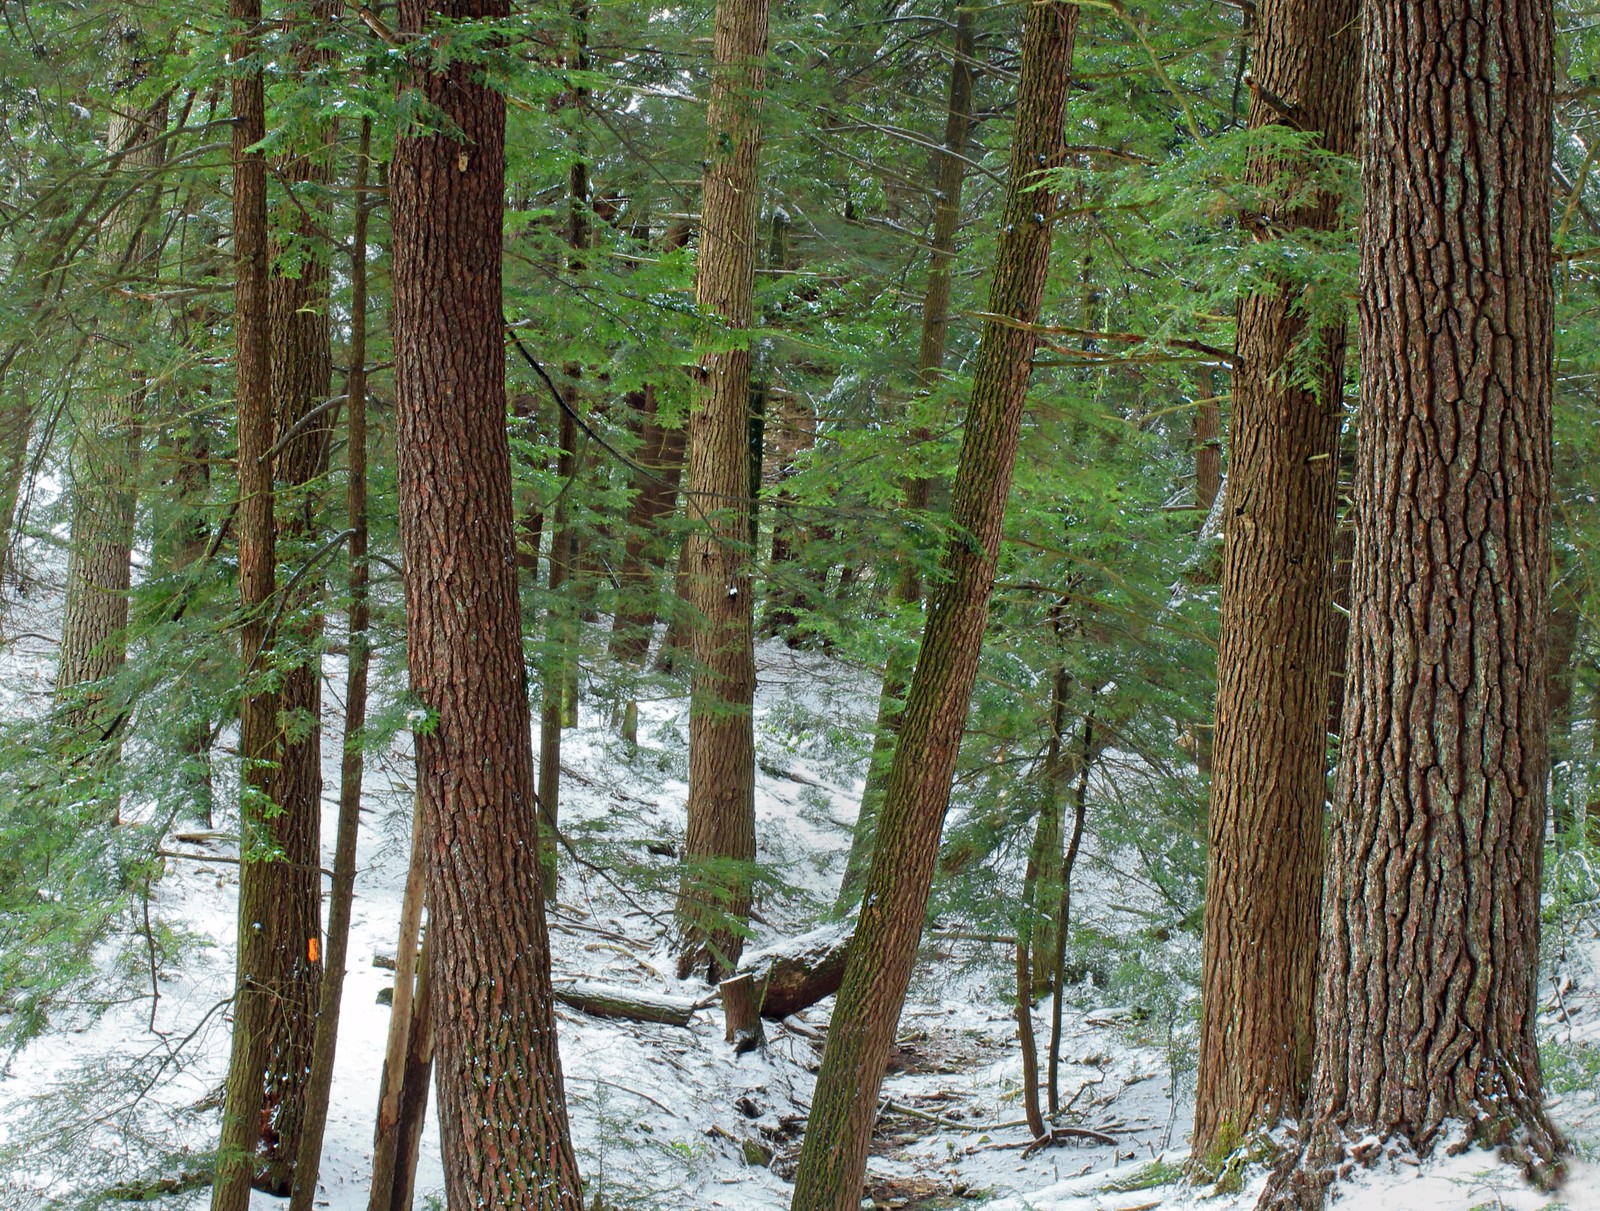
{"x":1077,"y":791}
{"x":502,"y":1109}
{"x":560,"y":636}
{"x":319,"y":1080}
{"x":1430,"y":943}
{"x":387,"y":1162}
{"x":302,"y":377}
{"x":104,"y":462}
{"x":263,"y":954}
{"x":644,"y":553}
{"x":951,"y":170}
{"x":720,"y":850}
{"x":834,"y":1156}
{"x":1268,"y":782}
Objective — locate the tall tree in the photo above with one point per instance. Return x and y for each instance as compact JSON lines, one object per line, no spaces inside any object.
{"x":721,"y":844}
{"x":352,"y":765}
{"x":264,"y":956}
{"x":834,"y":1156}
{"x":302,"y":377}
{"x":502,"y":1109}
{"x":1430,"y":939}
{"x":950,"y":171}
{"x":1269,"y":780}
{"x":104,"y":461}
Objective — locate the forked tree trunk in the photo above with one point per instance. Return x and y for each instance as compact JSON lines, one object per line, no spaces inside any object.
{"x":502,"y":1109}
{"x":720,"y":849}
{"x":104,"y":462}
{"x":1430,"y":946}
{"x":302,"y":377}
{"x":263,"y":955}
{"x":1268,"y":781}
{"x":319,"y":1080}
{"x":834,"y":1156}
{"x":951,"y":170}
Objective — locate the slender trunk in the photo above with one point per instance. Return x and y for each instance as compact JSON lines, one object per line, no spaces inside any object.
{"x":1427,"y":1013}
{"x":560,"y":636}
{"x":720,"y":849}
{"x":104,"y":463}
{"x":387,"y":1167}
{"x":1268,"y":785}
{"x":319,"y":1081}
{"x":418,"y":1068}
{"x":302,"y":377}
{"x":1077,"y":802}
{"x":834,"y":1156}
{"x":951,"y":170}
{"x":502,"y":1109}
{"x":262,"y":956}
{"x":16,"y":431}
{"x":655,"y":496}
{"x":1038,"y":855}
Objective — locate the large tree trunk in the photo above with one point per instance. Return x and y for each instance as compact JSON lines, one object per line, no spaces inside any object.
{"x":319,"y":1079}
{"x":104,"y":462}
{"x":834,"y":1157}
{"x":720,"y":849}
{"x":264,"y":955}
{"x":302,"y":377}
{"x":1430,"y":942}
{"x":1268,"y":782}
{"x":502,"y":1109}
{"x":951,"y":170}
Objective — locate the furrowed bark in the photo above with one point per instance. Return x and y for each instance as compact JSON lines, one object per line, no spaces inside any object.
{"x":502,"y":1108}
{"x":1430,"y":941}
{"x":1268,"y":783}
{"x":720,"y":849}
{"x":834,"y":1156}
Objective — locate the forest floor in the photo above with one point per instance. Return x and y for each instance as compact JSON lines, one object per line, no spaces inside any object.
{"x":669,"y":1118}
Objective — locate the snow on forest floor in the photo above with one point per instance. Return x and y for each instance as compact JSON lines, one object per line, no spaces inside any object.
{"x":665,"y":1117}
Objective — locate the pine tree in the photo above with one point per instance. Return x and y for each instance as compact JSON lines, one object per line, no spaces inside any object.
{"x":845,"y":1104}
{"x":1268,"y":785}
{"x":721,"y":843}
{"x":502,"y":1108}
{"x":1430,"y":943}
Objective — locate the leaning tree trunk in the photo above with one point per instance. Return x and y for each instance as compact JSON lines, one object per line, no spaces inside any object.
{"x":1268,"y":780}
{"x":263,"y":954}
{"x":834,"y":1157}
{"x":1430,"y":941}
{"x":720,"y":848}
{"x":104,"y":462}
{"x":907,"y":588}
{"x":502,"y":1110}
{"x":302,"y":377}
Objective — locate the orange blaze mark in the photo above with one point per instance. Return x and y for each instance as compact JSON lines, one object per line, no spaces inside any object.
{"x":312,"y":949}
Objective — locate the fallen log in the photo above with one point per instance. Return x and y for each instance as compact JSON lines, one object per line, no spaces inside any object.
{"x":633,"y":1004}
{"x":797,"y":973}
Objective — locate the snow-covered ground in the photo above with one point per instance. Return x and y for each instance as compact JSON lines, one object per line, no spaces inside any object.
{"x":666,"y":1117}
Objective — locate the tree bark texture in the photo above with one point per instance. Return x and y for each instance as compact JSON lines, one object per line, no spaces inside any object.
{"x":951,"y":166}
{"x":302,"y":377}
{"x":104,"y":461}
{"x":720,"y":848}
{"x":502,"y":1109}
{"x":319,"y":1079}
{"x":263,"y":954}
{"x":834,"y":1156}
{"x":1269,"y":762}
{"x":1430,"y":939}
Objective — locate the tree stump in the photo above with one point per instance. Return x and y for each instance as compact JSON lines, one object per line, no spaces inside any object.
{"x":741,"y":1005}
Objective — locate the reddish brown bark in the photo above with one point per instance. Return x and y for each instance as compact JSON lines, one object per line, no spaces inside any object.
{"x":1268,"y":785}
{"x":834,"y":1156}
{"x":261,"y":951}
{"x":720,"y":848}
{"x":1430,"y":941}
{"x":645,"y":552}
{"x":502,"y":1109}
